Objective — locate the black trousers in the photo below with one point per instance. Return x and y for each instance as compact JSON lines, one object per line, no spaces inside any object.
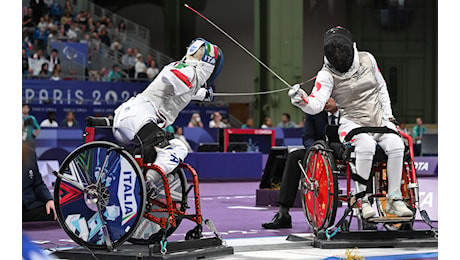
{"x":36,"y":214}
{"x":290,"y":179}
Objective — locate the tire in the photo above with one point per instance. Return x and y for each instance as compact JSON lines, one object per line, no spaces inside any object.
{"x":178,"y":189}
{"x":120,"y":195}
{"x":319,"y":200}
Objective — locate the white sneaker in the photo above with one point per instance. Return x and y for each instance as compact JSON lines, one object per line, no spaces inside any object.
{"x":397,"y":207}
{"x":152,"y":178}
{"x":368,"y":211}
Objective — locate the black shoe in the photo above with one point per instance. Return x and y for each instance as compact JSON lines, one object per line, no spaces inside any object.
{"x":278,"y":221}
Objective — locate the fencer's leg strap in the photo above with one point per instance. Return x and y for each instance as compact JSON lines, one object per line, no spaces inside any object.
{"x":363,"y":165}
{"x":152,"y":135}
{"x":359,"y":179}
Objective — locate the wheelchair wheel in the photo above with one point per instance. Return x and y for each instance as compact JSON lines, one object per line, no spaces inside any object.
{"x":99,"y":195}
{"x":319,"y":187}
{"x":178,"y":190}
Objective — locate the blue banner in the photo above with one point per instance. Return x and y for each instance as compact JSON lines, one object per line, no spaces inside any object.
{"x":76,"y":51}
{"x":90,"y":98}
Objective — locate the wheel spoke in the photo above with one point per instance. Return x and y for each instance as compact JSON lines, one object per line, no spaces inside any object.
{"x":67,"y":179}
{"x":99,"y":195}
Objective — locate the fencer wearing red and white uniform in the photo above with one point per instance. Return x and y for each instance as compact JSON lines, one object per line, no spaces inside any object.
{"x":159,"y":104}
{"x":353,"y":79}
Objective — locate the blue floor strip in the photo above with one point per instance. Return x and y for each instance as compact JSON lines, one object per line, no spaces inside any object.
{"x":425,"y":256}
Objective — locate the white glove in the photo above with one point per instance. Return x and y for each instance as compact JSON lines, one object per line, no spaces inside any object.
{"x":293,"y":90}
{"x":200,"y":95}
{"x":204,"y":94}
{"x":209,"y":94}
{"x":299,"y":99}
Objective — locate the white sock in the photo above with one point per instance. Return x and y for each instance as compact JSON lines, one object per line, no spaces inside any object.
{"x":394,"y":174}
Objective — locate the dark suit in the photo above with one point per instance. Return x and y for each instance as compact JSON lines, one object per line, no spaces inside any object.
{"x":313,"y":129}
{"x":53,"y":61}
{"x":35,"y":194}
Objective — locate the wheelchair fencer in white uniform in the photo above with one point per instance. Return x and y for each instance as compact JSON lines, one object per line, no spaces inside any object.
{"x":159,"y":104}
{"x":353,"y":79}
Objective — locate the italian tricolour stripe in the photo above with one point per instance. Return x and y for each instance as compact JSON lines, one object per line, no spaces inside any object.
{"x":211,"y":49}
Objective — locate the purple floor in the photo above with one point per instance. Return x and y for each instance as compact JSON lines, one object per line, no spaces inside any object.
{"x":230,"y":205}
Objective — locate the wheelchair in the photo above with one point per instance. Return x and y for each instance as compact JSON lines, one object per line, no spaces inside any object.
{"x":328,"y":161}
{"x":101,"y":198}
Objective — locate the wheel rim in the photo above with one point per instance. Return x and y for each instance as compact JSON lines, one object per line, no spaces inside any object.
{"x":318,"y":193}
{"x":119,"y":195}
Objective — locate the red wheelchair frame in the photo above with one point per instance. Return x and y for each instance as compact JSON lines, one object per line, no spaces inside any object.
{"x":170,"y":206}
{"x":320,"y":193}
{"x":166,"y":212}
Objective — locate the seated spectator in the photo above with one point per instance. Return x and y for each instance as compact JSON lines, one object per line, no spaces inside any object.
{"x":179,"y":134}
{"x":39,"y":9}
{"x":101,"y":75}
{"x":55,"y":11}
{"x":49,"y":21}
{"x":38,"y":54}
{"x":56,"y":73}
{"x":135,"y":52}
{"x":30,"y":74}
{"x":70,"y":121}
{"x":403,"y":128}
{"x":226,"y":122}
{"x":68,"y":7}
{"x":44,"y":72}
{"x":61,"y":33}
{"x":40,"y":38}
{"x":30,"y":126}
{"x":116,"y":45}
{"x":27,"y":42}
{"x":140,"y":70}
{"x":120,"y":31}
{"x":216,"y":121}
{"x":50,"y":121}
{"x":82,"y":18}
{"x":72,"y":32}
{"x":152,"y":70}
{"x":42,"y":25}
{"x":148,"y":60}
{"x":27,"y":20}
{"x":286,"y":121}
{"x":66,"y":18}
{"x":267,"y":123}
{"x":128,"y":61}
{"x":195,"y":121}
{"x":25,"y":62}
{"x":53,"y":59}
{"x":37,"y":202}
{"x":249,"y":123}
{"x":417,"y":134}
{"x":116,"y":75}
{"x":104,"y":35}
